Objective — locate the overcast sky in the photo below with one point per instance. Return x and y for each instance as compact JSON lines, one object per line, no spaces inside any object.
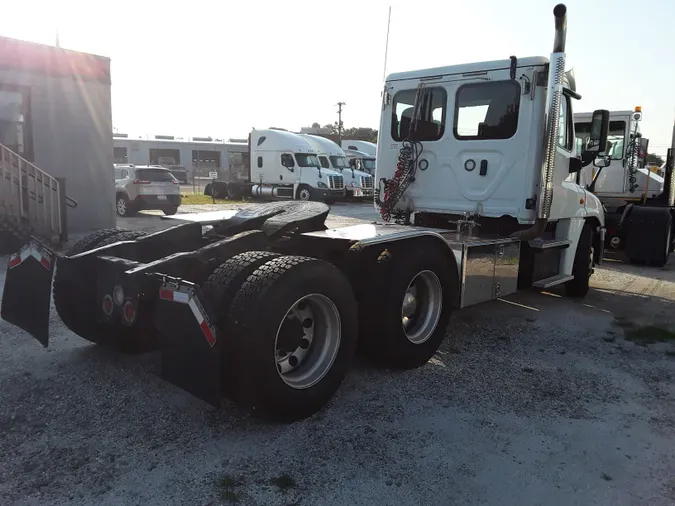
{"x":219,"y":68}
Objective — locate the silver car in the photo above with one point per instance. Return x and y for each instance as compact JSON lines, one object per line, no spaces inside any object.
{"x":139,"y":187}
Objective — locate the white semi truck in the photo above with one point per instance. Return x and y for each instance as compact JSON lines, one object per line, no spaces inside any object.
{"x":366,"y":147}
{"x":283,"y":165}
{"x":638,"y":202}
{"x":476,"y":174}
{"x":358,"y":184}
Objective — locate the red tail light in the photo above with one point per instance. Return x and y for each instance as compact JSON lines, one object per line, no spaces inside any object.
{"x":175,"y":181}
{"x":141,"y":181}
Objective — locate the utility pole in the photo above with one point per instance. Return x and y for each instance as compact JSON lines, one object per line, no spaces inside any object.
{"x":339,"y":125}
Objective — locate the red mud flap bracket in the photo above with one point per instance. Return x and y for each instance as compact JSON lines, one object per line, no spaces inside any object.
{"x":189,"y":345}
{"x":28,"y":288}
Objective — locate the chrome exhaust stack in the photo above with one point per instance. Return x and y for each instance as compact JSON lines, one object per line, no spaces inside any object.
{"x":554,"y":98}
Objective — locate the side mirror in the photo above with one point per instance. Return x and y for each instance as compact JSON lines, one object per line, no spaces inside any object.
{"x":597,"y":142}
{"x":602,"y":162}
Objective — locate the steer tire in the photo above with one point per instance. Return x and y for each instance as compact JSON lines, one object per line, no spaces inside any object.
{"x":382,"y":336}
{"x":257,"y":313}
{"x":75,"y":299}
{"x":219,"y":291}
{"x":583,"y":264}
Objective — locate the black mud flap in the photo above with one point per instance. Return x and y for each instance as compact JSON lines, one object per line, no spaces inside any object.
{"x":28,"y":289}
{"x":189,"y":345}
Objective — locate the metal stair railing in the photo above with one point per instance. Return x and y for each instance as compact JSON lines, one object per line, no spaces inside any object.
{"x":31,"y":201}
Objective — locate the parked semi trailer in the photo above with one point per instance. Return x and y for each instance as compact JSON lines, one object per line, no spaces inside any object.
{"x":282,"y":165}
{"x":639,"y":204}
{"x":266,"y":305}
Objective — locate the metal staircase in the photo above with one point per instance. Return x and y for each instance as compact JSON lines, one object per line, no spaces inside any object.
{"x":31,"y":201}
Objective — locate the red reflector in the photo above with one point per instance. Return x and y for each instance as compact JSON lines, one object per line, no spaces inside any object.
{"x":165,"y":294}
{"x":129,"y":312}
{"x":207,"y":333}
{"x":14,"y":261}
{"x":107,"y":305}
{"x":45,"y":263}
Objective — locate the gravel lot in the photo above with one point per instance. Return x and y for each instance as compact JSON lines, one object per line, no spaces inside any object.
{"x":537,"y":399}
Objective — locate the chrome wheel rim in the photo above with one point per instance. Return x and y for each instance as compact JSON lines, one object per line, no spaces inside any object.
{"x":307,"y":341}
{"x":421,"y":307}
{"x":121,"y":206}
{"x":304,"y":194}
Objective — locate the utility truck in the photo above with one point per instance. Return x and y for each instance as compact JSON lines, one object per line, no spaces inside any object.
{"x":282,"y":165}
{"x":476,"y":175}
{"x":639,"y":204}
{"x":358,"y":183}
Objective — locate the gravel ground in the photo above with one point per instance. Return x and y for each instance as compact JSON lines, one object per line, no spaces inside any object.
{"x":537,"y":399}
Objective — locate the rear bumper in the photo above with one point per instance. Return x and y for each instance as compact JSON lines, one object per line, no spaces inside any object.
{"x":154,"y":201}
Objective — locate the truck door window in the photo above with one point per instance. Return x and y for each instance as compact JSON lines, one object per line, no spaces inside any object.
{"x":615,"y":138}
{"x":486,"y":111}
{"x":429,"y":125}
{"x":324,"y":162}
{"x":287,"y":160}
{"x":565,"y":133}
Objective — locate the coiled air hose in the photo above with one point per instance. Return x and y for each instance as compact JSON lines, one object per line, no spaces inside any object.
{"x":406,"y":167}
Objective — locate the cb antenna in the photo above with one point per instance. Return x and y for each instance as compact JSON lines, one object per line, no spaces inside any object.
{"x":386,"y":47}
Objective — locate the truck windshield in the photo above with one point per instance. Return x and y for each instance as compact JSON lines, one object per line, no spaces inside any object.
{"x":368,"y":164}
{"x":307,"y":160}
{"x":615,"y":138}
{"x":339,"y":162}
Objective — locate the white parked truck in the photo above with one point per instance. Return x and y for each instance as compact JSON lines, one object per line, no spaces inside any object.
{"x":639,"y":204}
{"x":283,"y":165}
{"x":358,"y":183}
{"x":366,"y":147}
{"x":361,"y":161}
{"x":266,"y":305}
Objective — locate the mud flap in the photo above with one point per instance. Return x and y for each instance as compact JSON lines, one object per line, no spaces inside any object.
{"x":189,"y":345}
{"x":28,"y":289}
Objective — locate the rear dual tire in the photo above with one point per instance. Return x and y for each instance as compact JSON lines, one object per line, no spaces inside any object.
{"x":290,"y":330}
{"x":75,"y":299}
{"x":405,"y":303}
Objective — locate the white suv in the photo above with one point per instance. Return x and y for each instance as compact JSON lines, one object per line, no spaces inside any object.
{"x":139,"y":187}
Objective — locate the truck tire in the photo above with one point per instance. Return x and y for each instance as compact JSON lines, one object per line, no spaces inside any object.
{"x":207,"y":190}
{"x":405,"y":306}
{"x":663,"y":237}
{"x":583,"y":264}
{"x":75,"y":299}
{"x":220,"y":289}
{"x":293,"y":336}
{"x":233,"y":191}
{"x":305,"y":193}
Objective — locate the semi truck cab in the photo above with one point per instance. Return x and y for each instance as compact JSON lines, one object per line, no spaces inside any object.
{"x":357,"y":182}
{"x":284,"y":164}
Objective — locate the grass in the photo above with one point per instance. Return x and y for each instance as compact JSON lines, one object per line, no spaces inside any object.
{"x":196,"y":198}
{"x":649,"y":334}
{"x":284,"y":482}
